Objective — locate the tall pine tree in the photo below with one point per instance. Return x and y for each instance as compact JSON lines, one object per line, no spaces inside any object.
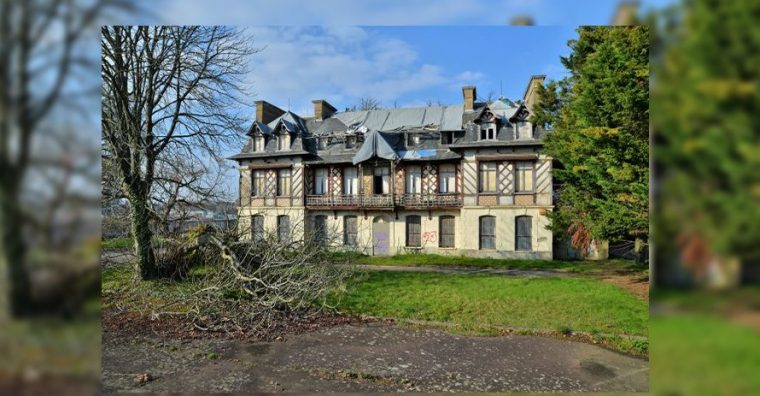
{"x":599,"y":117}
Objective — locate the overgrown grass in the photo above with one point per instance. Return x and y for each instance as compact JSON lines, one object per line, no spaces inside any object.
{"x":120,"y":288}
{"x":475,"y":302}
{"x":416,"y":260}
{"x":116,"y":243}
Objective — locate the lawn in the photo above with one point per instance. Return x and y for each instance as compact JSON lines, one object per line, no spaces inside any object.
{"x":116,"y":243}
{"x":475,"y":302}
{"x":585,"y":267}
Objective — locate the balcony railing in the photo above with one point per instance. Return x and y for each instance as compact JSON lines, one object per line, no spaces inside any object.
{"x":443,"y":200}
{"x":377,"y":201}
{"x":332,"y":200}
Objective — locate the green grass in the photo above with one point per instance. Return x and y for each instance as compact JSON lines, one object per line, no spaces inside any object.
{"x":701,"y":354}
{"x":119,"y":286}
{"x":475,"y":302}
{"x":416,"y":260}
{"x":116,"y":243}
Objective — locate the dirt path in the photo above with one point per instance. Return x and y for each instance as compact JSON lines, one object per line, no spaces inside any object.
{"x":368,"y":358}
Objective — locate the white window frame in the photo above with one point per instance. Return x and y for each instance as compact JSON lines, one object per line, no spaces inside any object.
{"x":484,"y":167}
{"x":258,"y":191}
{"x":350,"y":181}
{"x":525,"y":171}
{"x":447,"y":178}
{"x":413,"y":178}
{"x":320,"y":181}
{"x":490,"y":132}
{"x":258,"y":143}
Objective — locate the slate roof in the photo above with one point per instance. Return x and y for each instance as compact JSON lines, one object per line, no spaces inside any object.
{"x":369,"y":125}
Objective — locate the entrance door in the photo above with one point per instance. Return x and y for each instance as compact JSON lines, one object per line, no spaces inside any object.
{"x":380,"y":236}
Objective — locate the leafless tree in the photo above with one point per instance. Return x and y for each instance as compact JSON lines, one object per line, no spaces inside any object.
{"x":40,"y":51}
{"x":367,"y":103}
{"x":431,"y":102}
{"x":168,"y":92}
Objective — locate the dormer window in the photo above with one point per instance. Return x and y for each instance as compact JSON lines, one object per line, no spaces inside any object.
{"x":283,"y":143}
{"x":488,"y":132}
{"x":258,"y":143}
{"x":412,"y":139}
{"x":524,"y":130}
{"x":322,"y":142}
{"x":350,"y":141}
{"x":447,"y":137}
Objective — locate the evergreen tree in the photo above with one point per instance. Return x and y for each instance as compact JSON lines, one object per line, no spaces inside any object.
{"x":599,"y":117}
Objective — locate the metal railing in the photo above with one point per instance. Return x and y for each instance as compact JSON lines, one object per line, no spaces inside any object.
{"x":441,"y":200}
{"x":332,"y":200}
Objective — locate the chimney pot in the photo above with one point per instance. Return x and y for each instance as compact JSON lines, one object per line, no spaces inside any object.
{"x":267,"y":112}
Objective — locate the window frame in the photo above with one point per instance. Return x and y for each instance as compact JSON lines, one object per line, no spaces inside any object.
{"x":283,"y":141}
{"x":350,"y":234}
{"x":352,"y":181}
{"x":451,"y":185}
{"x":283,"y":221}
{"x":324,"y":184}
{"x":450,"y":235}
{"x":413,"y":180}
{"x":320,"y":233}
{"x":385,"y":180}
{"x":519,"y":181}
{"x":254,"y":190}
{"x":411,"y":238}
{"x":482,"y":236}
{"x":280,"y":184}
{"x":257,"y":233}
{"x":524,"y":237}
{"x":481,"y":188}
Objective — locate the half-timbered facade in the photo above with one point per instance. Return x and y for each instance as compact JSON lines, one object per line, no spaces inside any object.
{"x":464,"y":179}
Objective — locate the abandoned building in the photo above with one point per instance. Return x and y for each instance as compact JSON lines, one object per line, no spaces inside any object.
{"x":464,"y":179}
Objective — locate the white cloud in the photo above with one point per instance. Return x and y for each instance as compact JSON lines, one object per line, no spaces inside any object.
{"x":300,"y":64}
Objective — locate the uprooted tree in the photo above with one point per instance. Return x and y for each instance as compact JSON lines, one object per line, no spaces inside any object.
{"x":170,"y":94}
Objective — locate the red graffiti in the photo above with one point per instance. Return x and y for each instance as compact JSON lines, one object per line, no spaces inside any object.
{"x":429,"y":236}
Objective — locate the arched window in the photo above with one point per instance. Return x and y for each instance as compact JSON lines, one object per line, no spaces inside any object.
{"x":446,"y":232}
{"x":487,"y":232}
{"x":413,"y":231}
{"x":523,"y":233}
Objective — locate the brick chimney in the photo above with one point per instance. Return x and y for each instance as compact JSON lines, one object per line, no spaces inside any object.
{"x":267,"y":112}
{"x":530,"y":96}
{"x":468,"y":91}
{"x":322,"y":109}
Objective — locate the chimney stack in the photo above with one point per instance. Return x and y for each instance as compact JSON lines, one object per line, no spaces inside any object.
{"x":267,"y":112}
{"x":469,"y":94}
{"x":322,"y":109}
{"x":530,"y":96}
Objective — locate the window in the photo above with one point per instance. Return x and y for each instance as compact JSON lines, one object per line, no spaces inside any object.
{"x":283,"y":183}
{"x":447,"y":137}
{"x":412,"y":139}
{"x":523,"y":230}
{"x":283,"y":143}
{"x":413,"y":179}
{"x":487,"y":174}
{"x":381,"y":181}
{"x":447,"y":178}
{"x":413,"y":229}
{"x":320,"y":229}
{"x":321,"y":142}
{"x":350,"y":141}
{"x":320,"y":181}
{"x":258,"y":183}
{"x":487,"y":232}
{"x":258,"y":143}
{"x":524,"y":176}
{"x":446,"y":231}
{"x":283,"y":228}
{"x":257,"y":228}
{"x":488,"y":132}
{"x":350,"y":181}
{"x":349,"y":230}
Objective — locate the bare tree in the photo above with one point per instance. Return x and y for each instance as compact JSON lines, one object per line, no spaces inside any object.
{"x":367,"y":103}
{"x":168,"y":92}
{"x":40,"y":49}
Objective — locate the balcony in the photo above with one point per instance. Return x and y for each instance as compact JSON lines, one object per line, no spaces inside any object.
{"x":425,"y":201}
{"x":333,"y":201}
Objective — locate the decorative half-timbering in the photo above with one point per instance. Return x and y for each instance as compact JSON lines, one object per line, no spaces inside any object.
{"x":429,"y":179}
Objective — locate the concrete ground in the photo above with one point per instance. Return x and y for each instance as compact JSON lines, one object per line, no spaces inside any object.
{"x":368,"y":358}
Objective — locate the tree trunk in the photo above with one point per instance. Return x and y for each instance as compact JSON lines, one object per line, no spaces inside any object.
{"x":15,"y":285}
{"x":638,"y":250}
{"x":146,"y":260}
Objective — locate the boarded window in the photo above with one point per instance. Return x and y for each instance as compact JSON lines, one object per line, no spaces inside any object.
{"x":258,"y":183}
{"x":447,"y":178}
{"x":257,"y":228}
{"x":283,"y":228}
{"x":487,"y":232}
{"x":283,"y":182}
{"x":524,"y":176}
{"x":350,"y":181}
{"x":523,"y":231}
{"x":487,"y":176}
{"x":320,"y":229}
{"x":447,"y":137}
{"x":446,"y":232}
{"x":413,"y":179}
{"x":349,"y":230}
{"x":413,"y":230}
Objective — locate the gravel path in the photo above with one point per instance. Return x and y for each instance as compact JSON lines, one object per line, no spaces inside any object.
{"x":369,"y":358}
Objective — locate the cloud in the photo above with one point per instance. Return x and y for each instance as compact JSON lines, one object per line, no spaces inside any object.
{"x":339,"y":64}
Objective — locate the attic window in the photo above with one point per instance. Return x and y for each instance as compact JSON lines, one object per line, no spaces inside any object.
{"x":283,"y":141}
{"x":412,"y":139}
{"x":447,"y":137}
{"x":258,"y":143}
{"x":488,"y":132}
{"x":350,"y":141}
{"x":321,"y":142}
